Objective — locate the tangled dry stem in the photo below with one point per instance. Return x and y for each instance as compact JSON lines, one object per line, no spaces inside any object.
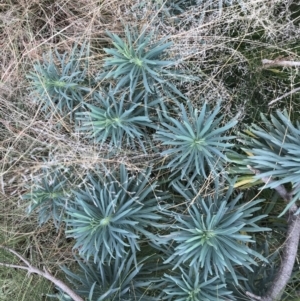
{"x":290,"y":246}
{"x":46,"y":274}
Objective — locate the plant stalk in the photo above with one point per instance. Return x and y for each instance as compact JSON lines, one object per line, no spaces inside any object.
{"x":290,"y":246}
{"x":31,"y":269}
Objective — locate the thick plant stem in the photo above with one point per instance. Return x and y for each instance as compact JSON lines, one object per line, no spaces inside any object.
{"x":31,"y":269}
{"x":284,"y":95}
{"x":280,"y":62}
{"x":290,"y":247}
{"x":288,"y":259}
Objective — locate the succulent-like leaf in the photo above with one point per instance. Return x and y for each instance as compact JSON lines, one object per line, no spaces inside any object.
{"x":190,"y":284}
{"x":50,"y":196}
{"x":275,"y":152}
{"x":196,"y":142}
{"x":112,"y":215}
{"x":121,"y":280}
{"x":136,"y":62}
{"x":61,"y":86}
{"x":116,"y":123}
{"x":211,"y":233}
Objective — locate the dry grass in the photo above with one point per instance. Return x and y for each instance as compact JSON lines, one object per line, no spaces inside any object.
{"x":225,"y":51}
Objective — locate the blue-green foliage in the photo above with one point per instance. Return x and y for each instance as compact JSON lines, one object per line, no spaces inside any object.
{"x":196,"y":143}
{"x":121,"y":280}
{"x":113,"y":215}
{"x":116,"y":213}
{"x":274,"y":150}
{"x":49,"y":196}
{"x":117,"y":122}
{"x":208,"y":233}
{"x":138,"y":63}
{"x":61,"y":80}
{"x":189,"y":284}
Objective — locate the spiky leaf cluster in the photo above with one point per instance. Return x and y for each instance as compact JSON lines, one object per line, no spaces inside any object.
{"x":113,"y":215}
{"x":116,"y":212}
{"x":49,"y":196}
{"x":111,"y":282}
{"x":196,"y":142}
{"x":189,"y":284}
{"x":116,"y":122}
{"x":137,"y":63}
{"x":61,"y":80}
{"x":274,"y":150}
{"x":209,"y":233}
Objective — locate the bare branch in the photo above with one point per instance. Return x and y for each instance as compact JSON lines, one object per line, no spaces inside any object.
{"x":252,"y":296}
{"x":282,"y":63}
{"x":279,"y":62}
{"x":46,"y":274}
{"x":287,"y":264}
{"x":14,"y":266}
{"x":17,"y":254}
{"x":284,"y":95}
{"x":290,"y":246}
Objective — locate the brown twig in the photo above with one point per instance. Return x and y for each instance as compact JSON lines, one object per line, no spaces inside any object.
{"x":280,"y":62}
{"x":290,"y":247}
{"x":284,"y":95}
{"x":252,"y":296}
{"x":46,"y":274}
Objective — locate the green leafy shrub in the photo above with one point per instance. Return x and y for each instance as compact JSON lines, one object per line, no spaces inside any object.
{"x":111,"y":282}
{"x":137,"y":62}
{"x":189,"y":284}
{"x":274,"y":150}
{"x":119,"y":122}
{"x":50,"y":196}
{"x":61,"y":81}
{"x":210,"y":233}
{"x":196,"y":140}
{"x":112,"y":215}
{"x":116,"y":215}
